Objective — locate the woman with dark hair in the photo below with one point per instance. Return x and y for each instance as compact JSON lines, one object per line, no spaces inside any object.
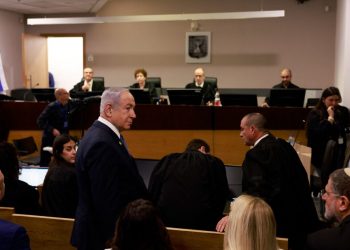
{"x":60,"y":190}
{"x":23,"y":197}
{"x":139,"y":227}
{"x":140,"y":77}
{"x":327,"y":125}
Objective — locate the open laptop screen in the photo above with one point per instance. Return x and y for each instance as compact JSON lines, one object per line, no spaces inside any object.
{"x":34,"y":176}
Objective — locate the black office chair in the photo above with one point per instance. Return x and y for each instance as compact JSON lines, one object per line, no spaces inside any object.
{"x":23,"y":94}
{"x":156,"y":82}
{"x":27,"y":150}
{"x":213,"y":81}
{"x":312,"y":102}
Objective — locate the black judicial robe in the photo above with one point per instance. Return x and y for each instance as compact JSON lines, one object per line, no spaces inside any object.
{"x":273,"y":171}
{"x":190,"y":190}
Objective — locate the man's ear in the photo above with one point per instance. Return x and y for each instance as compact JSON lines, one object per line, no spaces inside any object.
{"x":107,"y":110}
{"x":344,"y":203}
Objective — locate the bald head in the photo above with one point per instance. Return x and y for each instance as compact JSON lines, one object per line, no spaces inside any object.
{"x":253,"y":126}
{"x":286,"y":76}
{"x":199,"y":76}
{"x":62,"y":96}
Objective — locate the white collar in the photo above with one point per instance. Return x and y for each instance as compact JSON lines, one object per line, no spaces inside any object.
{"x":258,"y":140}
{"x":110,"y":125}
{"x":199,"y":85}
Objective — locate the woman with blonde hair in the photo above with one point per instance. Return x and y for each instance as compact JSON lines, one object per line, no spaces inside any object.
{"x":251,"y":225}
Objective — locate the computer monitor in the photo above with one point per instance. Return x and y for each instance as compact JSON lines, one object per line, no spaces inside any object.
{"x":44,"y":94}
{"x":249,"y":100}
{"x":34,"y":176}
{"x":141,"y":96}
{"x":185,"y":96}
{"x":82,"y":95}
{"x":287,"y":97}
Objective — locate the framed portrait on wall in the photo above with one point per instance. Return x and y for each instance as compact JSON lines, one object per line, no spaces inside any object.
{"x":197,"y":47}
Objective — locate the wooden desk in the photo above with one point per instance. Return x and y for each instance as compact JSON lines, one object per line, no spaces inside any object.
{"x":160,"y":130}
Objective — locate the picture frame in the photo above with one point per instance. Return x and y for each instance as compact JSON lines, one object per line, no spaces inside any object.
{"x":198,"y":47}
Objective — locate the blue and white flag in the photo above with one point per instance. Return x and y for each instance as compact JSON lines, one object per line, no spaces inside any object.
{"x":3,"y":83}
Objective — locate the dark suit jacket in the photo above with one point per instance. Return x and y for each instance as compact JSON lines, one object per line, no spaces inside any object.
{"x":190,"y":190}
{"x":13,"y":236}
{"x":208,"y":91}
{"x":108,"y":180}
{"x":337,"y":238}
{"x":281,"y":86}
{"x":272,"y":170}
{"x":96,"y":86}
{"x":151,"y":88}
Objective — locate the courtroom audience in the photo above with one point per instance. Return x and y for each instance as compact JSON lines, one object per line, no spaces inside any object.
{"x":286,"y":83}
{"x":12,"y":236}
{"x":60,"y":189}
{"x":139,"y":227}
{"x":87,"y":84}
{"x":337,"y":209}
{"x":251,"y":225}
{"x":190,"y":189}
{"x":18,"y":194}
{"x":207,"y":90}
{"x":55,"y":120}
{"x":327,"y":128}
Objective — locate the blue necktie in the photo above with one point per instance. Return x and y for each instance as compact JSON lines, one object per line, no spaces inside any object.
{"x":123,"y":142}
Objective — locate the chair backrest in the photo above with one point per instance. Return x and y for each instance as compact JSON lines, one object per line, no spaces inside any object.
{"x":5,"y":97}
{"x":6,"y":213}
{"x":190,"y":239}
{"x":23,"y":94}
{"x":25,"y":146}
{"x":213,"y":81}
{"x":156,"y":82}
{"x":44,"y":232}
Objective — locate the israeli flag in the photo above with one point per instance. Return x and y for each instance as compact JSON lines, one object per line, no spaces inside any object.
{"x":3,"y":83}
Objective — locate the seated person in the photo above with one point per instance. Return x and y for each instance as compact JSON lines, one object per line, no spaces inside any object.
{"x":18,"y":194}
{"x":140,"y":227}
{"x":190,"y":189}
{"x":87,"y":84}
{"x":286,"y":76}
{"x":60,"y":189}
{"x":251,"y":225}
{"x":207,"y":90}
{"x":141,"y":82}
{"x":337,"y":209}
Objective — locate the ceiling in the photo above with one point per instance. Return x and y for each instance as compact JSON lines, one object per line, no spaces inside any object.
{"x":52,"y":6}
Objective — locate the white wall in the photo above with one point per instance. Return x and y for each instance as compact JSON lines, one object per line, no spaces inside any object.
{"x":11,"y":29}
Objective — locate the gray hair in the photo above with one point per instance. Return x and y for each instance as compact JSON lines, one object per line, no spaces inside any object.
{"x":341,"y":181}
{"x":111,"y":96}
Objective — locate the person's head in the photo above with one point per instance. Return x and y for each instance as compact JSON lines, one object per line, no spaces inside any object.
{"x":286,"y":76}
{"x":64,"y":149}
{"x":139,"y":227}
{"x":337,"y":195}
{"x":62,"y":96}
{"x":118,"y":107}
{"x":198,"y":144}
{"x":330,"y":97}
{"x":199,"y":75}
{"x":9,"y":165}
{"x":251,"y":225}
{"x":253,"y":126}
{"x":140,"y":76}
{"x":88,"y":74}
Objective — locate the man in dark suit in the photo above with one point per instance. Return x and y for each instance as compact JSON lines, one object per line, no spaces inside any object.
{"x":87,"y":84}
{"x":337,"y":203}
{"x":54,"y":120}
{"x":107,"y":175}
{"x":207,"y":90}
{"x":273,"y":171}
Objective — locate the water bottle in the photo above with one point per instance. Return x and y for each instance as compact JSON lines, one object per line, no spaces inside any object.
{"x":217,"y":101}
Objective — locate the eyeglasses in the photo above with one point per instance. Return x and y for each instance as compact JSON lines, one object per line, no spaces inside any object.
{"x":323,"y":191}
